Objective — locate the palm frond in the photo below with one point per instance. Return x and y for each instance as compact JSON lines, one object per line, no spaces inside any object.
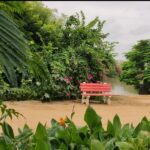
{"x":38,"y":68}
{"x":13,"y":48}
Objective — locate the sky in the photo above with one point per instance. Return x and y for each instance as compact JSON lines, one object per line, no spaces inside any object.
{"x":126,"y":21}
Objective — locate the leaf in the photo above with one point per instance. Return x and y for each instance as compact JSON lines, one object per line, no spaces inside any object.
{"x":63,"y":146}
{"x":2,"y":144}
{"x":110,"y":128}
{"x":116,"y":125}
{"x":91,"y":118}
{"x":42,"y":145}
{"x":72,"y":114}
{"x":41,"y":133}
{"x":7,"y":130}
{"x":38,"y":68}
{"x":54,"y":122}
{"x":137,"y":129}
{"x":92,"y":23}
{"x":14,"y":52}
{"x":127,"y":131}
{"x":124,"y":146}
{"x":110,"y":145}
{"x":41,"y":137}
{"x":145,"y":124}
{"x":116,"y":122}
{"x":64,"y":134}
{"x":96,"y":145}
{"x":13,"y":47}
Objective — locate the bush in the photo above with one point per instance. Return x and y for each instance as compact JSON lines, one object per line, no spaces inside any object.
{"x":63,"y":54}
{"x":17,"y":94}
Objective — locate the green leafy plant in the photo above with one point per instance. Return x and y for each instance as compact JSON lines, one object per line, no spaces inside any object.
{"x":64,"y":134}
{"x":59,"y":52}
{"x":17,"y":94}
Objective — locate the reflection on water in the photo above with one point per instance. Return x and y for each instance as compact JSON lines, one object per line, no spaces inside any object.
{"x":120,"y":88}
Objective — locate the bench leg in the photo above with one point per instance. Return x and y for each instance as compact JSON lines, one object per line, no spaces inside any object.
{"x":83,"y":99}
{"x":104,"y":99}
{"x":87,"y":100}
{"x":108,"y":101}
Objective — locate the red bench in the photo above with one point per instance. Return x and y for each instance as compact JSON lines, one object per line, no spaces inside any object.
{"x":95,"y":89}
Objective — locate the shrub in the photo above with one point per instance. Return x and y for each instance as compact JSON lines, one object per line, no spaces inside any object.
{"x":65,"y":135}
{"x":63,"y":51}
{"x":17,"y":94}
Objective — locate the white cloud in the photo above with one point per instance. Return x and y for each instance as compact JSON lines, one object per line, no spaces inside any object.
{"x":127,"y":22}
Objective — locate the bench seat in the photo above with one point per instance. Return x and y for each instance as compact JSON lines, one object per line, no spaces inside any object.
{"x":94,"y":94}
{"x":95,"y":89}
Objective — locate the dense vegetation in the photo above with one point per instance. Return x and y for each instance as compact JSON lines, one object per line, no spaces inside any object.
{"x":65,"y":135}
{"x":63,"y":51}
{"x":136,"y":70}
{"x":49,"y":61}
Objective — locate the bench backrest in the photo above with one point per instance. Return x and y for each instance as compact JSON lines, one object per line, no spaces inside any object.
{"x":95,"y":87}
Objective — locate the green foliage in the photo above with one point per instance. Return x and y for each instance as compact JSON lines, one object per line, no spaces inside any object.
{"x":92,"y":119}
{"x":17,"y":94}
{"x":41,"y":138}
{"x":11,"y":7}
{"x":13,"y":51}
{"x":64,"y":51}
{"x":15,"y":54}
{"x":136,"y":70}
{"x":96,"y":145}
{"x":7,"y":112}
{"x":82,"y":56}
{"x":40,"y":25}
{"x":66,"y":135}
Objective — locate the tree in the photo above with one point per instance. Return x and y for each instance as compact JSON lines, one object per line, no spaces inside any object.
{"x":136,"y":70}
{"x":82,"y":55}
{"x":69,"y":52}
{"x":40,"y":25}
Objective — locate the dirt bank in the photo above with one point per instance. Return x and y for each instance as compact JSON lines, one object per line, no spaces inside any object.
{"x":130,"y":108}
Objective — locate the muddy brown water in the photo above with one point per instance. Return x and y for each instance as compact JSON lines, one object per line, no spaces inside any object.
{"x":131,"y":109}
{"x":120,"y":88}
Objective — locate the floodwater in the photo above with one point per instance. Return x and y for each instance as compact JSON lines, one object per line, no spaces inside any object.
{"x":120,"y":88}
{"x":131,"y":109}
